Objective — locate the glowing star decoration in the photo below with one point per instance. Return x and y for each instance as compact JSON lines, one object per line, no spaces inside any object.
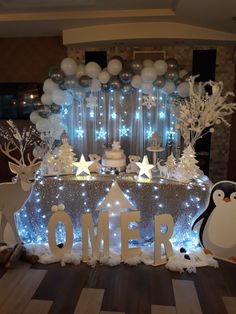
{"x":149,"y":101}
{"x":124,"y":131}
{"x":91,"y":101}
{"x":145,"y":167}
{"x":101,"y":134}
{"x":115,"y":201}
{"x":82,"y":166}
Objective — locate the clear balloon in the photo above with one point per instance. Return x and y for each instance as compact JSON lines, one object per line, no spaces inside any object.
{"x":69,"y":66}
{"x":147,"y":87}
{"x":84,"y":81}
{"x":136,"y":66}
{"x":38,"y":152}
{"x":79,"y":94}
{"x":69,"y":99}
{"x":95,"y":85}
{"x":80,"y":70}
{"x":56,"y":74}
{"x":182,"y":73}
{"x":55,"y":119}
{"x":43,"y":125}
{"x":114,"y":66}
{"x":70,"y":83}
{"x":169,"y":87}
{"x":161,"y":67}
{"x":92,"y":69}
{"x":105,"y":87}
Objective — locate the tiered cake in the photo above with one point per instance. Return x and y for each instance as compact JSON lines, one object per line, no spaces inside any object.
{"x":114,"y":157}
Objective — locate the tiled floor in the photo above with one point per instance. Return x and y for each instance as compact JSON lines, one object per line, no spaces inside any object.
{"x":122,"y":290}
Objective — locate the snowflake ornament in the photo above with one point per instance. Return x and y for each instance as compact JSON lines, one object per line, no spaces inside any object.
{"x":116,"y":145}
{"x":91,"y":101}
{"x":149,"y":101}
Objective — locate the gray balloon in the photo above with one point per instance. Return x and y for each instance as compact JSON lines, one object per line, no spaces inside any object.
{"x":172,"y":64}
{"x":136,"y":66}
{"x":159,"y":82}
{"x":84,"y":81}
{"x":172,"y":75}
{"x":56,"y":74}
{"x":55,"y":108}
{"x":114,"y":83}
{"x":125,"y":76}
{"x":126,"y":89}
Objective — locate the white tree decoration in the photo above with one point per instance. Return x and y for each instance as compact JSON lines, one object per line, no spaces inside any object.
{"x":202,"y":111}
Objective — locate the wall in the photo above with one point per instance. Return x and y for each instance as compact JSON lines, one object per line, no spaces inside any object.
{"x":28,"y":59}
{"x":225,"y":71}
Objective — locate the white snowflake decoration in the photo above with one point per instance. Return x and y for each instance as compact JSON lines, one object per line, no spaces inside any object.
{"x":149,"y":101}
{"x":91,"y":101}
{"x":116,"y":145}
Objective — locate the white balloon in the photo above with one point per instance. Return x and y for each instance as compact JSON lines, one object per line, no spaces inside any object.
{"x":69,"y":66}
{"x":92,"y":69}
{"x":182,"y":73}
{"x":34,"y":116}
{"x":49,"y":86}
{"x":43,"y":125}
{"x":57,"y":132}
{"x":183,"y":89}
{"x":38,"y":152}
{"x":147,"y":63}
{"x":161,"y":67}
{"x":104,"y":77}
{"x":136,"y":81}
{"x":58,"y":96}
{"x":169,"y":87}
{"x":55,"y":119}
{"x":148,"y":74}
{"x":147,"y":87}
{"x":114,"y":67}
{"x":46,"y":99}
{"x":80,"y":70}
{"x":95,"y":85}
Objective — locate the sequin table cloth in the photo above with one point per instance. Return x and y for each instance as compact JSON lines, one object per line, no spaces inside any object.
{"x":83,"y":194}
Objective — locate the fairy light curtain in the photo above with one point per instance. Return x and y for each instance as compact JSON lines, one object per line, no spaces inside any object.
{"x":93,"y":123}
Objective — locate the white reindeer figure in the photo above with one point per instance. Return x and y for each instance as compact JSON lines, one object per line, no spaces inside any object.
{"x":163,"y":170}
{"x":13,"y":195}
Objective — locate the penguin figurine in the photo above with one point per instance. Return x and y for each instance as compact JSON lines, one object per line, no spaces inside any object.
{"x":217,"y":231}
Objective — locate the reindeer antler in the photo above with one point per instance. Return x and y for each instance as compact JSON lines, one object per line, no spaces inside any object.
{"x":31,"y":162}
{"x":7,"y":150}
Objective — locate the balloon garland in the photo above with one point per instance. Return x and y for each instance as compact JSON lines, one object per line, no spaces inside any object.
{"x":70,"y":81}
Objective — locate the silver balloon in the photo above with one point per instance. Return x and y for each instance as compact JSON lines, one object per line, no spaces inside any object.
{"x":105,"y":87}
{"x":126,"y":89}
{"x":136,"y":66}
{"x":125,"y":76}
{"x":56,"y":74}
{"x":172,"y":75}
{"x":159,"y":82}
{"x":84,"y":81}
{"x":114,"y":83}
{"x":44,"y":111}
{"x":55,"y":108}
{"x":172,"y":64}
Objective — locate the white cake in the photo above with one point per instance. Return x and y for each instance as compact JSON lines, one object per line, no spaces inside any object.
{"x":115,"y":157}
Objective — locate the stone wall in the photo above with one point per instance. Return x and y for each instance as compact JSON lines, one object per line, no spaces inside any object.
{"x":225,"y":71}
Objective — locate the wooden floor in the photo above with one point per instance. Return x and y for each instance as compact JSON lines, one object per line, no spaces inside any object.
{"x":122,"y":290}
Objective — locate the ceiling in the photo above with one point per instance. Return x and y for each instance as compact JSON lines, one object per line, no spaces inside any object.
{"x":54,"y":17}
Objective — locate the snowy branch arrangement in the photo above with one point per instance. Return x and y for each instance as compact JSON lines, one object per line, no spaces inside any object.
{"x":202,"y":111}
{"x":20,"y":140}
